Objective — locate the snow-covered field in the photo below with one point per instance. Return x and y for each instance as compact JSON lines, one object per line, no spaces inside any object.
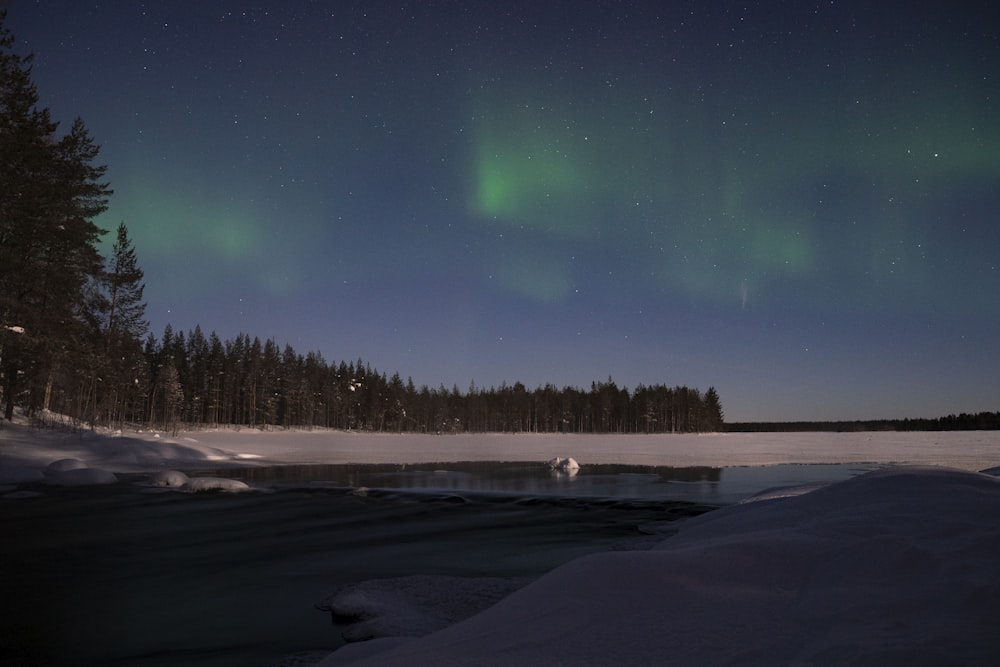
{"x":141,"y":452}
{"x":897,"y":566}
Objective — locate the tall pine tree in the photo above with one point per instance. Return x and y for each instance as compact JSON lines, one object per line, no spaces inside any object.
{"x":50,"y":191}
{"x":122,"y":333}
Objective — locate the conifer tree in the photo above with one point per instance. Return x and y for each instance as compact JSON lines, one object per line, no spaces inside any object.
{"x":121,"y":333}
{"x":50,"y":191}
{"x":124,"y":284}
{"x":713,"y":411}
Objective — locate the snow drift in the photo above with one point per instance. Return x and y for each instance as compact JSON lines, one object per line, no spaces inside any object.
{"x":893,"y":567}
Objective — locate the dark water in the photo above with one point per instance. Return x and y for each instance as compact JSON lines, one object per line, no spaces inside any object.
{"x":124,"y":575}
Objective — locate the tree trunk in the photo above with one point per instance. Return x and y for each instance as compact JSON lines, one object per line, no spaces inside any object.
{"x":48,"y":393}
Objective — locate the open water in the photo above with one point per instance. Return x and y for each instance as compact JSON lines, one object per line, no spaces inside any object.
{"x":128,"y":575}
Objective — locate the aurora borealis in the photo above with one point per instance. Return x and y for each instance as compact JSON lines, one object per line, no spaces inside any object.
{"x":796,"y":203}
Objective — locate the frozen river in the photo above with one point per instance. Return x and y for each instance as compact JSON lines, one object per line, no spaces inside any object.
{"x":125,"y":575}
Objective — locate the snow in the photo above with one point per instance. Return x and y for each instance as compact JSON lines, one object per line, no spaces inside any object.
{"x":175,"y":479}
{"x":894,"y":566}
{"x":564,"y":465}
{"x":149,"y":451}
{"x":168,"y":478}
{"x":414,"y":605}
{"x":196,"y":484}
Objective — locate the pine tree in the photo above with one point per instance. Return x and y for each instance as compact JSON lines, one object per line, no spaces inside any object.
{"x":121,"y":331}
{"x":123,"y":281}
{"x":50,"y":191}
{"x":713,"y":411}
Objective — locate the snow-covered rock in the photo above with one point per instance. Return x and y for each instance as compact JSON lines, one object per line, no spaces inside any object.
{"x":169,"y":478}
{"x":563,"y":464}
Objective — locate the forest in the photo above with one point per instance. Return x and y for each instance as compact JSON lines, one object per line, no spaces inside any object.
{"x":74,"y":339}
{"x":196,"y":381}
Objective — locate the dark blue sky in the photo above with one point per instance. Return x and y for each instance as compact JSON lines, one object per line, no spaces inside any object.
{"x":794,"y":202}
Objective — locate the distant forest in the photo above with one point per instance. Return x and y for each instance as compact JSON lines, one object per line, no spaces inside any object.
{"x":980,"y":421}
{"x":194,"y":381}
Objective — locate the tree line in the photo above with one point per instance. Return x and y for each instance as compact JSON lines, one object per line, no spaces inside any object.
{"x":979,"y":421}
{"x":73,"y":338}
{"x":198,"y":381}
{"x":195,"y":381}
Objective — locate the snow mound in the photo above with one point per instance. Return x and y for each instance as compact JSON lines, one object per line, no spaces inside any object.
{"x":196,"y":484}
{"x":82,"y":477}
{"x":413,"y":606}
{"x":63,"y":465}
{"x":15,"y":474}
{"x":897,"y":566}
{"x":171,"y":478}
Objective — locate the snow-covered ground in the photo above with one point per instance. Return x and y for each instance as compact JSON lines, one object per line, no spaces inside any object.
{"x":897,"y":566}
{"x":142,"y":452}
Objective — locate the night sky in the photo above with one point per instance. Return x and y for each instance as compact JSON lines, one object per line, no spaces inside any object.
{"x":794,"y":202}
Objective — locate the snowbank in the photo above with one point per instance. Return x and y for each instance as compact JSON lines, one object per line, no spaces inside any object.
{"x":893,"y":567}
